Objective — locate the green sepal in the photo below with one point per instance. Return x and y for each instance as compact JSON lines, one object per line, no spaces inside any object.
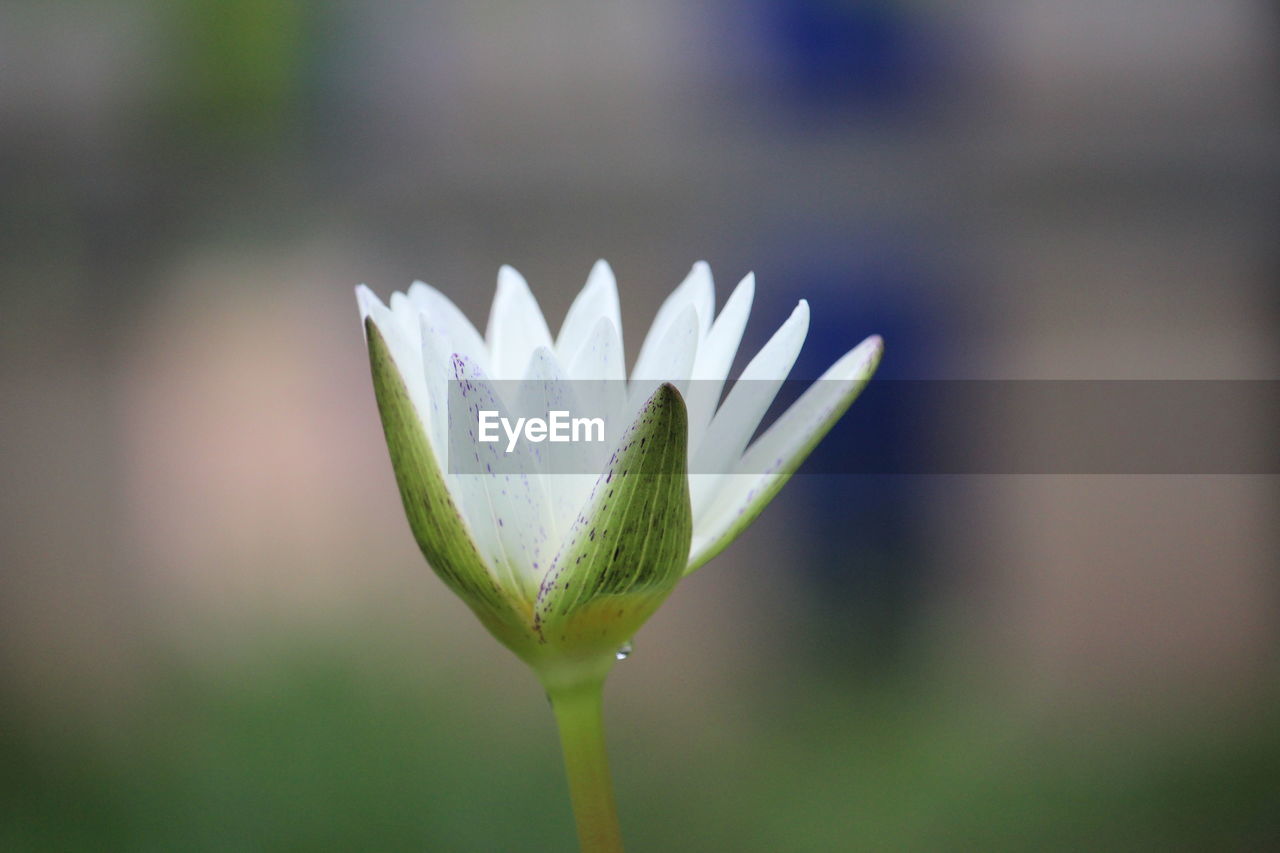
{"x":628,"y":548}
{"x":434,"y":518}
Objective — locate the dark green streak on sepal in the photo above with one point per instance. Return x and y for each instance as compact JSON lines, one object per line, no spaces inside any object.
{"x":628,"y":548}
{"x":433,"y":516}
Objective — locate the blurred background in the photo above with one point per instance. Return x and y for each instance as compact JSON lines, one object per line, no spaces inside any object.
{"x":215,"y":630}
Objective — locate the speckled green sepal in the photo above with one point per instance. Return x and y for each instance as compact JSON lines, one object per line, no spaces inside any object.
{"x":433,"y":515}
{"x":628,"y":548}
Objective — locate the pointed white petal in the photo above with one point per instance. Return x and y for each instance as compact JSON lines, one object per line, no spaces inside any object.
{"x":503,"y":502}
{"x":567,"y":469}
{"x":696,"y":291}
{"x":599,"y":378}
{"x":516,"y":326}
{"x":776,"y":455}
{"x":543,"y":366}
{"x":715,"y":358}
{"x":403,"y":345}
{"x":406,"y":315}
{"x":600,"y":356}
{"x":748,"y":400}
{"x":366,"y":299}
{"x":448,"y":318}
{"x":672,"y":362}
{"x":437,"y":369}
{"x":598,"y":300}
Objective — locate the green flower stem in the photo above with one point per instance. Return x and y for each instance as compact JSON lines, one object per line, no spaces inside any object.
{"x":579,"y":715}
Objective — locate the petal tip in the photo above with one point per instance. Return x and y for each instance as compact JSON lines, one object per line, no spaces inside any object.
{"x":800,"y":314}
{"x":859,"y":362}
{"x":366,"y":301}
{"x":509,"y":276}
{"x":875,"y":350}
{"x":600,"y":278}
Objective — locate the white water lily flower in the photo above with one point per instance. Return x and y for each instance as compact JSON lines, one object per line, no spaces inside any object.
{"x":564,"y":568}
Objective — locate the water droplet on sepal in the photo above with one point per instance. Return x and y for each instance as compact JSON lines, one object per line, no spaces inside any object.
{"x":624,"y":651}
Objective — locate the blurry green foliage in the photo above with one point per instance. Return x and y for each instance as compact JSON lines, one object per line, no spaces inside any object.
{"x":310,"y":749}
{"x":239,"y":67}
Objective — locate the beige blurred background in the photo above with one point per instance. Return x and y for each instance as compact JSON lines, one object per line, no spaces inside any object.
{"x":196,"y":480}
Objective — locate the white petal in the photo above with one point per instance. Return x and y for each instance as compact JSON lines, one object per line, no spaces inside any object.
{"x":597,"y":300}
{"x":404,"y":347}
{"x":406,"y":315}
{"x":599,"y":379}
{"x":600,"y":356}
{"x":772,"y":459}
{"x":672,"y":362}
{"x":503,"y":503}
{"x":366,"y":300}
{"x":447,"y":317}
{"x":568,"y":470}
{"x":748,"y":400}
{"x":437,"y":369}
{"x":715,"y":358}
{"x":696,"y":291}
{"x":543,"y":367}
{"x":516,"y":326}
